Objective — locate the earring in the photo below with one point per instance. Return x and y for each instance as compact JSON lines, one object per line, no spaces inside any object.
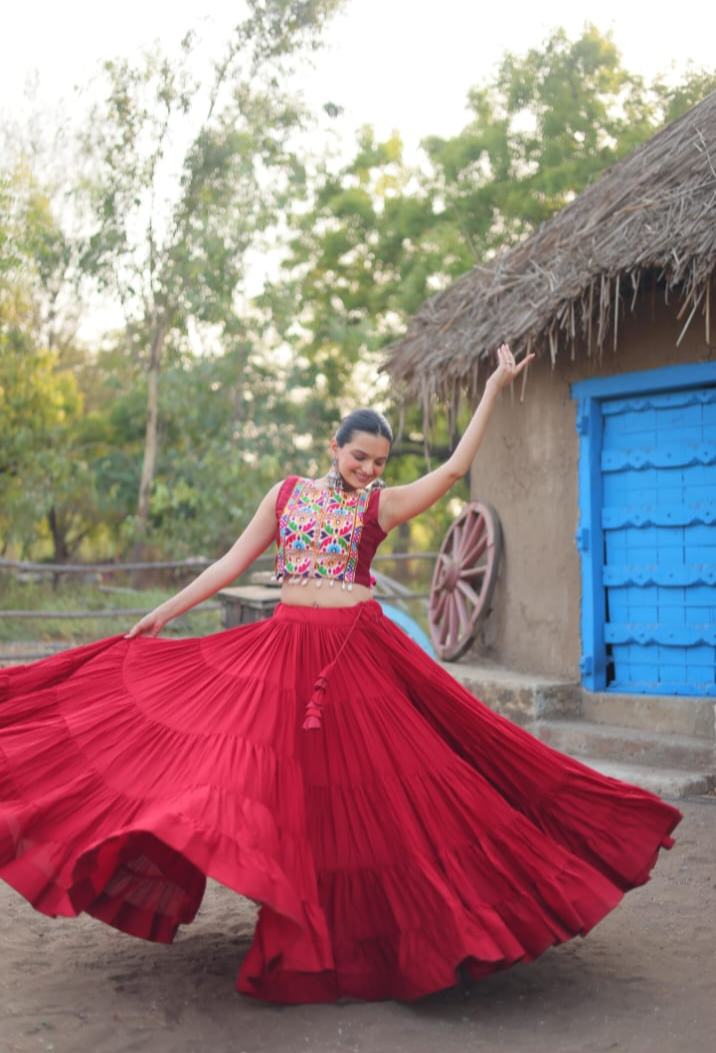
{"x":334,"y":477}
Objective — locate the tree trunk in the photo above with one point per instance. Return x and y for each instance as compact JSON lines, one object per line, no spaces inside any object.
{"x":59,"y":542}
{"x":61,"y":551}
{"x":150,"y":440}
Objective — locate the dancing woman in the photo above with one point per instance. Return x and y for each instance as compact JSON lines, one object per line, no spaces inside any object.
{"x":392,"y":826}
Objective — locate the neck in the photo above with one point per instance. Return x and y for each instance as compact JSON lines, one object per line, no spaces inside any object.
{"x":328,"y":482}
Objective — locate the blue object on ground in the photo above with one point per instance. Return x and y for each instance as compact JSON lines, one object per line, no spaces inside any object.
{"x":409,"y":626}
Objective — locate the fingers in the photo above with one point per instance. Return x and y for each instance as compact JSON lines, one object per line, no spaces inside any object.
{"x":523,"y":364}
{"x":507,"y":369}
{"x":506,"y":359}
{"x":142,"y":628}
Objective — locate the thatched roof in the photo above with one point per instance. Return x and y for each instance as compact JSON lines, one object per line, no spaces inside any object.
{"x":650,"y":218}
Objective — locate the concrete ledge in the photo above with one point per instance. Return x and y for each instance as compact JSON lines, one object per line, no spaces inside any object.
{"x":668,"y":714}
{"x":663,"y":743}
{"x":672,"y":783}
{"x":518,"y":696}
{"x":629,"y":745}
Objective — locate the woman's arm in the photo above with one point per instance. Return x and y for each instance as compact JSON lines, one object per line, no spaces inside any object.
{"x":398,"y":503}
{"x":257,"y":536}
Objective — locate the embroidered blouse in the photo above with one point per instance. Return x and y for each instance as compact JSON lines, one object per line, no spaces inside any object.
{"x":328,"y":535}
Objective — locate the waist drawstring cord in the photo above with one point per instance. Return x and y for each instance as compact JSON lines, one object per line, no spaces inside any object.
{"x":315,"y":704}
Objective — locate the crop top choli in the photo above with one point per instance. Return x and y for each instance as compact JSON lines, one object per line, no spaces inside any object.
{"x":326,"y":535}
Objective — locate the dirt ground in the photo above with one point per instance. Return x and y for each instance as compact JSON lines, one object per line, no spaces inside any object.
{"x":643,"y":982}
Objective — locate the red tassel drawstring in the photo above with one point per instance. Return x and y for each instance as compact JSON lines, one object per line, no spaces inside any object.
{"x":314,"y":707}
{"x":315,"y":704}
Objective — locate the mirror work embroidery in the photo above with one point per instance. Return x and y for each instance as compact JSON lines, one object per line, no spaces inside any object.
{"x":319,"y":535}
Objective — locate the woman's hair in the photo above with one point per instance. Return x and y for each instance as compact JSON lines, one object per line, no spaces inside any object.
{"x":368,"y":420}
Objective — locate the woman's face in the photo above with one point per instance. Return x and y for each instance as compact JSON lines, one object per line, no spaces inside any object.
{"x":362,"y":459}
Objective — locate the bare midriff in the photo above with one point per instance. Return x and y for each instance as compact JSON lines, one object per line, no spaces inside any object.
{"x":323,"y":595}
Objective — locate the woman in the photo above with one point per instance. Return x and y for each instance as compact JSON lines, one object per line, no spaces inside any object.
{"x":392,"y":827}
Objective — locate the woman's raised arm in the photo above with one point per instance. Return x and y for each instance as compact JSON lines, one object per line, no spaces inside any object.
{"x":399,"y":503}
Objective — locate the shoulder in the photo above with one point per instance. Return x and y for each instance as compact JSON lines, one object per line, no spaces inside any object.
{"x":281,"y":492}
{"x":373,"y":511}
{"x":385,"y":504}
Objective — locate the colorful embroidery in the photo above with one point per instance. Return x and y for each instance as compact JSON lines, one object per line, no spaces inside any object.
{"x":319,"y":534}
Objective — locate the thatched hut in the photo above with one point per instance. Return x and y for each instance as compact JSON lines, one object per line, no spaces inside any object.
{"x":603,"y":468}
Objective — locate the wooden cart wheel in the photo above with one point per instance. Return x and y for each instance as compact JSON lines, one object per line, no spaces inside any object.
{"x":464,"y":579}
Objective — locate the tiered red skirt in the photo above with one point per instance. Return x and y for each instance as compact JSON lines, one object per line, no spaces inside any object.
{"x":413,"y":831}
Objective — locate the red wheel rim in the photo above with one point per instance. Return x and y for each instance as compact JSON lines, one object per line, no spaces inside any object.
{"x":464,"y":579}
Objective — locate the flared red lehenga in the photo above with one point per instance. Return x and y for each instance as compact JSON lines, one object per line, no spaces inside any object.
{"x":413,"y":831}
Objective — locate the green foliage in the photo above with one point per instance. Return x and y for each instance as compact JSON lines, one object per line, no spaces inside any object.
{"x":9,"y":237}
{"x":51,"y":496}
{"x":38,"y":404}
{"x":675,"y":100}
{"x":549,"y":124}
{"x":381,"y":236}
{"x":171,"y":240}
{"x":231,"y":427}
{"x":184,"y":182}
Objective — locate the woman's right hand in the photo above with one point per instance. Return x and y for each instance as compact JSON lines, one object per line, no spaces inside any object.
{"x":150,"y":625}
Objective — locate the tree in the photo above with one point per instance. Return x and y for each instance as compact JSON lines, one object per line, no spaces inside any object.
{"x":40,"y":402}
{"x":182,"y":183}
{"x":550,"y":122}
{"x":65,"y":477}
{"x":381,"y":236}
{"x":37,"y":403}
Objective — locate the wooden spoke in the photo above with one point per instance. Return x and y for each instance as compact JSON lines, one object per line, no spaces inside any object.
{"x":464,"y":579}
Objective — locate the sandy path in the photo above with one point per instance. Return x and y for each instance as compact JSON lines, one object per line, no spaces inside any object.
{"x":643,"y":982}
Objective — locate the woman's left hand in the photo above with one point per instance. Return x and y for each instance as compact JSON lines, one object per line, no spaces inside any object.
{"x":507,"y":369}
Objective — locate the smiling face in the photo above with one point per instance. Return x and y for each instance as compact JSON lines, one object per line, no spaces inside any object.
{"x":362,"y":459}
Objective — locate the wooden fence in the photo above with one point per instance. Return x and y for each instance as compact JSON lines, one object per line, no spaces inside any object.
{"x":387,"y":588}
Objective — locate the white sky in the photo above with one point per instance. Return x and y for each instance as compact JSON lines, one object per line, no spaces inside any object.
{"x":396,"y":64}
{"x":399,"y":65}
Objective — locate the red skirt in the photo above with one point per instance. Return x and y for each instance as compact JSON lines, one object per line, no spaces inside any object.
{"x":409,"y":831}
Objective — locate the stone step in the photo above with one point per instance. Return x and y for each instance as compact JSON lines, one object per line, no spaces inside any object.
{"x":667,"y":714}
{"x":524,"y":698}
{"x":670,"y":783}
{"x":664,"y":744}
{"x":626,"y":745}
{"x":520,"y":697}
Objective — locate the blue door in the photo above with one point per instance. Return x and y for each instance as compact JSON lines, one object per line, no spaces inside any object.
{"x":651,"y":556}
